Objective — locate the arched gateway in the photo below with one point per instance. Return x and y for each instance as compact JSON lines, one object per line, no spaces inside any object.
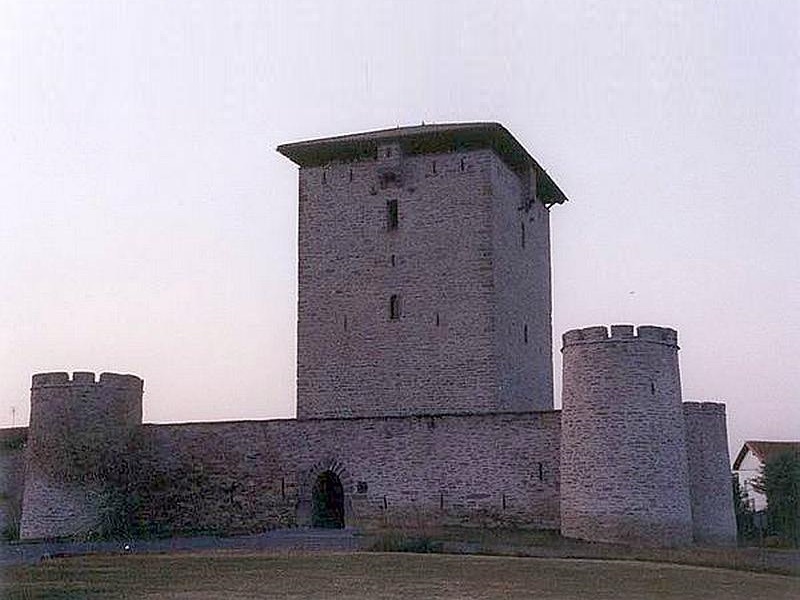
{"x":327,"y":502}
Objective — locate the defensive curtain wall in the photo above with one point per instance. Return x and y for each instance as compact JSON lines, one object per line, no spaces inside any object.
{"x":621,"y":470}
{"x":249,"y":476}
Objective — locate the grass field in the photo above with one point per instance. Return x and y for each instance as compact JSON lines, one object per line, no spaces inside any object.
{"x":233,"y":576}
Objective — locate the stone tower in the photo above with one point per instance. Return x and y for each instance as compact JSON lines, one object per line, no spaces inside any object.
{"x":624,"y":474}
{"x":424,"y":273}
{"x":79,"y":431}
{"x":713,"y":516}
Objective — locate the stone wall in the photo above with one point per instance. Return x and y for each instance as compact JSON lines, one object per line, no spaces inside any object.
{"x":623,"y":462}
{"x":522,"y":303}
{"x":251,"y":476}
{"x":466,"y":288}
{"x":619,"y":475}
{"x":12,"y":475}
{"x":353,"y":358}
{"x":204,"y":478}
{"x":80,"y":431}
{"x":713,"y":519}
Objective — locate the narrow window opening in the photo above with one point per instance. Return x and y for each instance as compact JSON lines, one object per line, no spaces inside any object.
{"x":324,"y":177}
{"x":522,"y":234}
{"x":525,"y":333}
{"x":393,"y":261}
{"x":462,"y":164}
{"x":385,"y":503}
{"x":351,"y":175}
{"x":345,"y":323}
{"x":653,"y":388}
{"x":387,"y":179}
{"x":394,"y":307}
{"x":388,"y":153}
{"x":434,"y":167}
{"x":504,"y":501}
{"x":391,"y":214}
{"x":541,"y":472}
{"x":437,"y":319}
{"x":441,"y":501}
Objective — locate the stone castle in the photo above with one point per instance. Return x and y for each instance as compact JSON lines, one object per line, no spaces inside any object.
{"x":424,"y":382}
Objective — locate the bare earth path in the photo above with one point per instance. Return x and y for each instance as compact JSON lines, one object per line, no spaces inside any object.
{"x":237,"y":575}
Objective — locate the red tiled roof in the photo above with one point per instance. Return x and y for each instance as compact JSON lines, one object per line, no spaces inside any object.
{"x":764,"y":451}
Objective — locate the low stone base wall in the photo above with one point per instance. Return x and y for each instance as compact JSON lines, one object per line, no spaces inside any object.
{"x":55,"y":509}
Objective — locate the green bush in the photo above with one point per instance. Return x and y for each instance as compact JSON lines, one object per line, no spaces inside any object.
{"x":10,"y":532}
{"x":780,"y":482}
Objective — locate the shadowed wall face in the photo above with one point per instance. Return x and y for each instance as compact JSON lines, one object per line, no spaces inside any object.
{"x":80,"y":430}
{"x":713,"y":520}
{"x":12,"y":477}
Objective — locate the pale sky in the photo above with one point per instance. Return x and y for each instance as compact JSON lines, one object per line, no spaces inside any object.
{"x":149,"y":227}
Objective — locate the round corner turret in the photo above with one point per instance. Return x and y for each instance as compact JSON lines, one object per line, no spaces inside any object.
{"x":623,"y":461}
{"x":79,"y":427}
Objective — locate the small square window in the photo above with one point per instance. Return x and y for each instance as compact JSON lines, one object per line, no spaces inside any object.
{"x":387,"y":179}
{"x":361,"y":487}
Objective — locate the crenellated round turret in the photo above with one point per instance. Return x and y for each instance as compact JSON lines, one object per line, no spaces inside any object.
{"x":79,"y":429}
{"x":623,"y":452}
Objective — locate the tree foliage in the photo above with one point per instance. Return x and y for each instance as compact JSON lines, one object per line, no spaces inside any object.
{"x":745,"y":516}
{"x":780,"y":483}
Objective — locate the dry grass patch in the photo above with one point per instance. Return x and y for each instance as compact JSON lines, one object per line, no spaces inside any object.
{"x":234,"y":576}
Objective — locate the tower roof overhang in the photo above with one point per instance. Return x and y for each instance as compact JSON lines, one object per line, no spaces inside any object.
{"x":426,"y":139}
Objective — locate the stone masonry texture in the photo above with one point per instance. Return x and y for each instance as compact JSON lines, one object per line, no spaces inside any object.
{"x":251,"y":476}
{"x":713,"y":518}
{"x":79,"y":428}
{"x":623,"y":461}
{"x":468,"y":286}
{"x":242,"y":477}
{"x":424,"y":384}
